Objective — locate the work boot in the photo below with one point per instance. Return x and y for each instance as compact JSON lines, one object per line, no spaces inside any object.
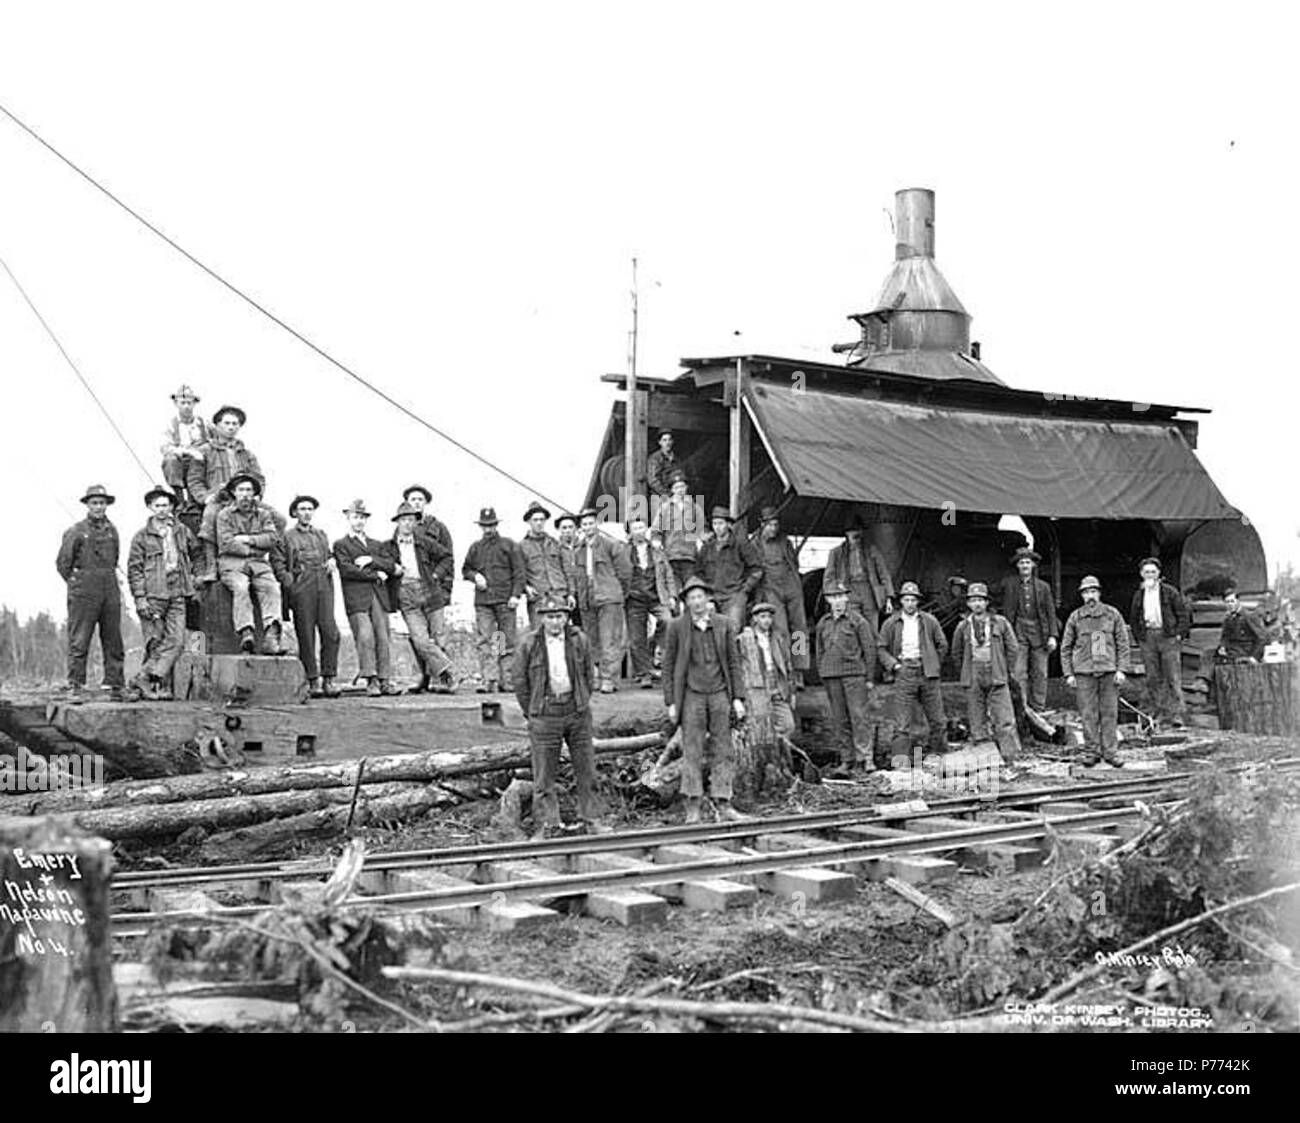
{"x":597,"y":826}
{"x":134,"y":691}
{"x":373,"y":688}
{"x":247,"y":641}
{"x":271,"y":640}
{"x":608,"y":687}
{"x":328,"y":687}
{"x":446,"y":683}
{"x":645,"y":682}
{"x":159,"y":691}
{"x":725,"y":813}
{"x":692,"y":810}
{"x":1112,"y":758}
{"x":420,"y":687}
{"x":314,"y":689}
{"x":388,"y":688}
{"x":117,"y":694}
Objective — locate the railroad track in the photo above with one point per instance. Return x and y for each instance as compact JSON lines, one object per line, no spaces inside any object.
{"x":629,"y":876}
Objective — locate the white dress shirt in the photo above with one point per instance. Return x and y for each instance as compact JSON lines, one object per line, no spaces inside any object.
{"x":911,"y":636}
{"x":1151,"y":607}
{"x":558,"y":665}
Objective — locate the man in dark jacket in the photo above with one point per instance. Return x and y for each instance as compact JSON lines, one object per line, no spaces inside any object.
{"x":984,"y":648}
{"x":858,"y":564}
{"x":420,"y":497}
{"x":87,"y":562}
{"x":544,"y":568}
{"x":159,"y":573}
{"x":416,"y":592}
{"x":566,"y":529}
{"x":1030,"y":608}
{"x":606,"y":574}
{"x":1243,"y":635}
{"x":662,"y":464}
{"x":305,"y":568}
{"x":553,"y":679}
{"x":496,"y":567}
{"x":731,"y":567}
{"x":247,"y":531}
{"x":912,"y":648}
{"x":704,"y":687}
{"x":651,"y":595}
{"x":1094,"y":653}
{"x":208,"y":476}
{"x":846,"y":660}
{"x":782,"y":587}
{"x":364,"y":565}
{"x":1160,"y":621}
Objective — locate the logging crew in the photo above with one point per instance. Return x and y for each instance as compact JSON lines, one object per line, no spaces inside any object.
{"x":182,"y":441}
{"x":544,"y":568}
{"x":846,"y":661}
{"x":984,"y":647}
{"x":606,"y":576}
{"x":1029,"y":606}
{"x":1243,"y":635}
{"x":703,"y":686}
{"x":420,"y":497}
{"x":731,"y":567}
{"x":1094,"y":653}
{"x":496,"y":567}
{"x":158,"y":572}
{"x":661,"y":465}
{"x":1160,"y":621}
{"x":651,"y":596}
{"x":553,"y":678}
{"x":678,"y":526}
{"x":305,"y":568}
{"x":781,"y":586}
{"x":415,"y":590}
{"x":860,"y":567}
{"x":87,"y":562}
{"x":765,"y":656}
{"x":247,"y":531}
{"x":207,"y":479}
{"x":364,"y":565}
{"x":912,"y":648}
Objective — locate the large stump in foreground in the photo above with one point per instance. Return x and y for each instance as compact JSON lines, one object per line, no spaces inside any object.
{"x":1257,"y":698}
{"x":56,"y":969}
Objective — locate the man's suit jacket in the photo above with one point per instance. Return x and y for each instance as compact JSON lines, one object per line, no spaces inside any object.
{"x":358,"y":582}
{"x":677,"y":655}
{"x":1048,"y":625}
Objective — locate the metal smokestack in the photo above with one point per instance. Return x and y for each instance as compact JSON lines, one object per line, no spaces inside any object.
{"x":913,"y":223}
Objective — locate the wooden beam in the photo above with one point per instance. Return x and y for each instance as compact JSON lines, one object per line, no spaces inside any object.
{"x":738,"y":447}
{"x":634,"y":471}
{"x":691,"y":415}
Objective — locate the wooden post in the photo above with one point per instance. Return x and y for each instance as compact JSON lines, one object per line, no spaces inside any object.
{"x":56,"y":966}
{"x":634,"y":466}
{"x":738,"y":447}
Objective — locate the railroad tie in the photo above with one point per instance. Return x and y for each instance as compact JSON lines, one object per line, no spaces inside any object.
{"x":713,"y":894}
{"x":915,"y":869}
{"x":807,"y":883}
{"x":994,"y":857}
{"x":498,"y":916}
{"x":1097,"y":841}
{"x":627,"y":907}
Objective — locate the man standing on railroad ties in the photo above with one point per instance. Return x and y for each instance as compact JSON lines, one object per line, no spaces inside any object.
{"x":247,"y":531}
{"x":1094,"y":653}
{"x":553,"y":680}
{"x":731,"y":567}
{"x":1030,"y":608}
{"x":87,"y":562}
{"x":496,"y":567}
{"x":704,"y":686}
{"x":912,"y":647}
{"x":1160,"y":621}
{"x":847,"y":654}
{"x":985,"y":647}
{"x":305,"y":568}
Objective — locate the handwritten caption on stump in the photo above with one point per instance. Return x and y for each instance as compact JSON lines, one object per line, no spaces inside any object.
{"x":39,"y":906}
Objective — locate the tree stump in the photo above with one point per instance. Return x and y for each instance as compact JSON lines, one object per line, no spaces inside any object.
{"x":1257,"y":698}
{"x":56,"y":967}
{"x":763,"y":762}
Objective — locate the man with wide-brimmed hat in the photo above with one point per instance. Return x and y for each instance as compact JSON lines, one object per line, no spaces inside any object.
{"x":661,"y":465}
{"x":182,"y":440}
{"x":160,"y":576}
{"x":305,"y":567}
{"x":677,"y":524}
{"x":606,"y":574}
{"x":984,"y":648}
{"x":415,"y":591}
{"x":858,"y":565}
{"x":553,"y":677}
{"x":1030,"y":608}
{"x":912,"y":648}
{"x":544,"y":568}
{"x":704,"y":685}
{"x":651,"y":598}
{"x":731,"y":567}
{"x":364,"y":565}
{"x":1160,"y":621}
{"x":496,"y":567}
{"x":421,"y":498}
{"x":247,"y":532}
{"x":847,"y":664}
{"x":782,"y":587}
{"x":87,"y":562}
{"x":1094,"y":653}
{"x":207,"y":478}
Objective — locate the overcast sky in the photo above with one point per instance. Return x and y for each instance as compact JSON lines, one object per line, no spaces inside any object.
{"x":447,"y":196}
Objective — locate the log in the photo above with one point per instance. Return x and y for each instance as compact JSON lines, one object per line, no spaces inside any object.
{"x":1257,"y":698}
{"x":56,"y":965}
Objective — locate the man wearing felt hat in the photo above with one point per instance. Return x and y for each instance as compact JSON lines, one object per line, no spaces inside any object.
{"x":159,"y":574}
{"x":1094,"y":653}
{"x":415,"y":591}
{"x":247,"y":532}
{"x":207,"y":478}
{"x":847,"y":661}
{"x":781,"y":586}
{"x":87,"y":562}
{"x":769,"y":672}
{"x":912,"y":648}
{"x":858,"y":564}
{"x":364,"y":564}
{"x":1160,"y":621}
{"x":421,"y":498}
{"x":544,"y":568}
{"x":678,"y":525}
{"x":731,"y":567}
{"x":984,"y":649}
{"x":496,"y":567}
{"x":1030,"y":608}
{"x":606,"y":575}
{"x":305,"y":567}
{"x":182,"y":440}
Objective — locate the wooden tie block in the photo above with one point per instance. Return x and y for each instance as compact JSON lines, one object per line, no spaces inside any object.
{"x":626,"y":906}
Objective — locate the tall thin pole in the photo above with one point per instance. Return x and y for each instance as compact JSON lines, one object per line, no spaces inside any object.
{"x":630,"y":417}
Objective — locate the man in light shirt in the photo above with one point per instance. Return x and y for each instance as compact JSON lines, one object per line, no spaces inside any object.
{"x":912,"y":647}
{"x":182,"y":440}
{"x":1160,"y":621}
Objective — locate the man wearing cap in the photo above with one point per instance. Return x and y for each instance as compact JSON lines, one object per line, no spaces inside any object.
{"x":846,"y":661}
{"x":1160,"y":621}
{"x":496,"y":567}
{"x":305,"y":567}
{"x":247,"y":531}
{"x":781,"y":587}
{"x":661,"y":465}
{"x":860,"y":567}
{"x":1243,"y":635}
{"x":415,"y":590}
{"x":553,"y":679}
{"x":1094,"y":653}
{"x":364,"y":564}
{"x":1030,"y":609}
{"x":912,"y":648}
{"x":182,"y":440}
{"x":731,"y":567}
{"x":704,"y":688}
{"x":984,"y":648}
{"x":606,"y":576}
{"x":207,"y":478}
{"x":544,"y":568}
{"x":678,"y":526}
{"x":651,"y":595}
{"x":765,"y":656}
{"x":158,"y":572}
{"x":87,"y":562}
